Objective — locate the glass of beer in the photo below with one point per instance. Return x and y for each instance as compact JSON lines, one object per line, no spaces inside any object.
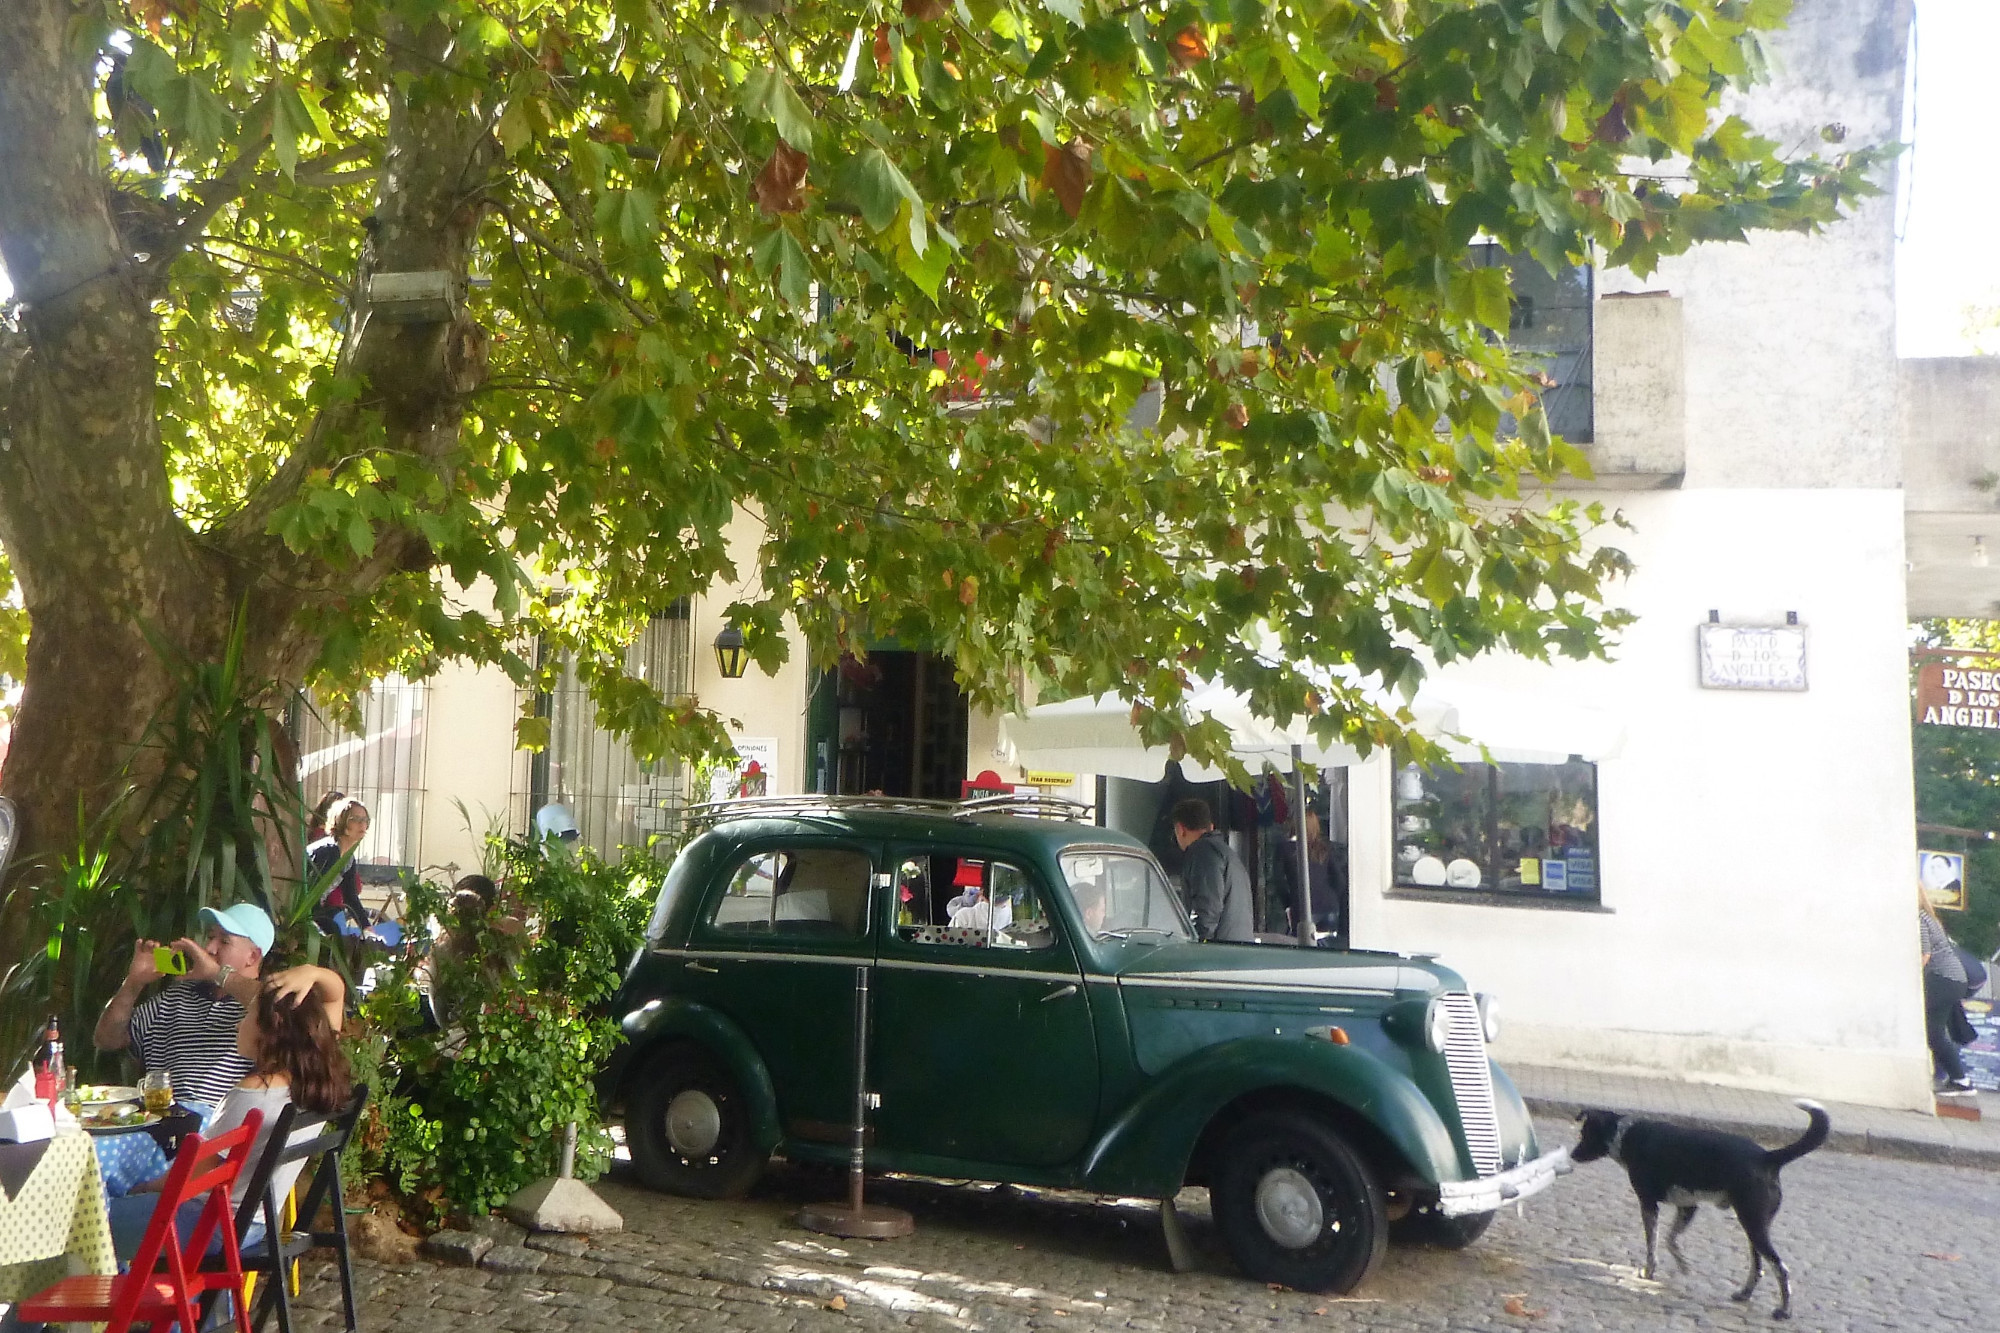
{"x":158,"y":1087}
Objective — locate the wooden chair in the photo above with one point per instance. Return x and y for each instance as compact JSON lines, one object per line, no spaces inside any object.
{"x":280,"y":1248}
{"x":204,"y":1169}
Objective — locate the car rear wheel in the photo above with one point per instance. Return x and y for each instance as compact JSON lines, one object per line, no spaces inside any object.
{"x":1296,"y":1205}
{"x":688,"y":1126}
{"x":1427,"y":1226}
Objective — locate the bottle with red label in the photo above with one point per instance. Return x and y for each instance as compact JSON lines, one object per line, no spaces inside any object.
{"x":51,"y":1073}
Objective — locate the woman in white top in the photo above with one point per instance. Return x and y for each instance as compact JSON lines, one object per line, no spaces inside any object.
{"x":292,"y":1033}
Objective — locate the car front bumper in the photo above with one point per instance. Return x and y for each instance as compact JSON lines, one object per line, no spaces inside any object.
{"x":1461,"y":1197}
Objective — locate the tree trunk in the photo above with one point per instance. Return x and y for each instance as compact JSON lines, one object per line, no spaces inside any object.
{"x":109,"y":571}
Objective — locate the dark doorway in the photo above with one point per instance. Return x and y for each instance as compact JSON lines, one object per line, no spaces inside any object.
{"x":894,"y":723}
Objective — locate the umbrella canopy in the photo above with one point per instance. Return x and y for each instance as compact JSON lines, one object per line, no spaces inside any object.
{"x":1096,"y":735}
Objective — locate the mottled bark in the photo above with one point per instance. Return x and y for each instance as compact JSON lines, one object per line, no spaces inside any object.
{"x":86,"y":514}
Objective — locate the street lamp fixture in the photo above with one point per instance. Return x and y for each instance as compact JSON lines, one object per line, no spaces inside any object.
{"x":730,"y":655}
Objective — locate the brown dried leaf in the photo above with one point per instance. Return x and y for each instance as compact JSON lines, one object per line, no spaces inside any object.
{"x":837,"y":1303}
{"x":1066,"y":170}
{"x":1187,"y":47}
{"x":884,"y":52}
{"x":1518,"y":1307}
{"x":923,"y":11}
{"x":780,"y":186}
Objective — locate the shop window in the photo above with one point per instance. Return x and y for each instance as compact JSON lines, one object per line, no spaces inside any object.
{"x":1499,"y":828}
{"x":616,"y":799}
{"x":1551,"y":323}
{"x":811,"y":893}
{"x":381,"y":765}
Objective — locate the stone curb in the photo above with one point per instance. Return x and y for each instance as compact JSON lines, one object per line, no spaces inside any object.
{"x":1870,"y":1143}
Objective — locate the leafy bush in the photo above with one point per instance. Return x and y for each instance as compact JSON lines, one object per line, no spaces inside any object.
{"x":484,"y":1094}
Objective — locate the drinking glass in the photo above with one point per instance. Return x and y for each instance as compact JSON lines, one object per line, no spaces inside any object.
{"x":158,"y":1087}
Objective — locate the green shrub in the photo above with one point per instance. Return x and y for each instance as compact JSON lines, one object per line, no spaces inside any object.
{"x":484,"y":1097}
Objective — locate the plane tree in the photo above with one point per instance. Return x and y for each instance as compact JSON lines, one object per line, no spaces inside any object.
{"x":1108,"y":343}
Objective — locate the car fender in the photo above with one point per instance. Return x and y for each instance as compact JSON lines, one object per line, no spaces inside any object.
{"x":670,"y":1019}
{"x":1145,"y":1151}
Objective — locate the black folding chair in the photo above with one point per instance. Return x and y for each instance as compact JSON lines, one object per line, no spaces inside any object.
{"x":275,"y":1252}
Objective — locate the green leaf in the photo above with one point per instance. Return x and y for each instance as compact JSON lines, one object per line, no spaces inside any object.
{"x":629,"y":215}
{"x":882,"y":191}
{"x":1554,"y":23}
{"x":779,"y":250}
{"x":360,"y":535}
{"x":1069,"y":9}
{"x":768,"y":95}
{"x":289,"y":121}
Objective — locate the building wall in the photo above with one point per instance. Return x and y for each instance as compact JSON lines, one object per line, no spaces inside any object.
{"x":1757,"y":849}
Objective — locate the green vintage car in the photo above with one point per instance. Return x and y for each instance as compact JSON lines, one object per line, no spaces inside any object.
{"x":1043,"y":1014}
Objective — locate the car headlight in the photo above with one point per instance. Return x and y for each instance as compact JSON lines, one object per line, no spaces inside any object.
{"x":1489,"y":1016}
{"x":1437,"y":1026}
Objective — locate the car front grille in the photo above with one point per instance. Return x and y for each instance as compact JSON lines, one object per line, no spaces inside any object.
{"x":1472,"y":1081}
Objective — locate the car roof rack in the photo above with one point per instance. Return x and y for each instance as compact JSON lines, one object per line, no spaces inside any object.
{"x":1032,"y":805}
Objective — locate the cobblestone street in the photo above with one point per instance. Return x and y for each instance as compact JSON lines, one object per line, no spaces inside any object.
{"x":1873,"y":1244}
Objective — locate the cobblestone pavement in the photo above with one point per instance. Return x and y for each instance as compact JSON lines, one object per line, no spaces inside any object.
{"x":1873,"y":1244}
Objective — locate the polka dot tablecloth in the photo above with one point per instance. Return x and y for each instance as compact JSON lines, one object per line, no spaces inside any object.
{"x":53,"y":1223}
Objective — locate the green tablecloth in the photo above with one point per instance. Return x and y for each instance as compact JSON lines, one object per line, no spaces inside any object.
{"x":55,"y":1224}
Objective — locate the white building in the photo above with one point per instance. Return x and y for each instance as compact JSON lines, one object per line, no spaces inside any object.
{"x":1735,"y":899}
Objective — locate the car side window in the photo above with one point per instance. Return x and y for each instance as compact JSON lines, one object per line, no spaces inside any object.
{"x":796,"y":893}
{"x":970,"y":903}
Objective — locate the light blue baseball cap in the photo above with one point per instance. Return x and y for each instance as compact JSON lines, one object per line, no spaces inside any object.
{"x":245,"y":919}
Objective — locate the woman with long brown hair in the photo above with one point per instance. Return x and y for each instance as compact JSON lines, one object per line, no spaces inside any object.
{"x":292,"y":1036}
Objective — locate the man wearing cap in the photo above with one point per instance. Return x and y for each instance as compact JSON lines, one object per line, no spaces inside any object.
{"x":188,"y":1027}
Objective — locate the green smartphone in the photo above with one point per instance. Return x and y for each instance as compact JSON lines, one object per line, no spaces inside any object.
{"x":170,"y":962}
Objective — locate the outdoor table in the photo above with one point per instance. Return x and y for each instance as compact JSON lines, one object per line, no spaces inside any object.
{"x":52,"y":1217}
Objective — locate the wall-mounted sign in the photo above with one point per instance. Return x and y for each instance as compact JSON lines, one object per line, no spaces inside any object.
{"x":1751,"y":657}
{"x":1041,"y":778}
{"x":1957,"y":694}
{"x":753,"y":773}
{"x":1943,"y":876}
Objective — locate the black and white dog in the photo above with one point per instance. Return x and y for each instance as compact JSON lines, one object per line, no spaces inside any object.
{"x":1684,"y":1167}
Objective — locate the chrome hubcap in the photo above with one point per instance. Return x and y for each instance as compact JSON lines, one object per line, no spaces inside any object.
{"x":1288,"y":1208}
{"x":694,"y":1122}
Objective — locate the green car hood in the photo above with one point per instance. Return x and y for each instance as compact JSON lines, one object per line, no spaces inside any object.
{"x":1273,"y":968}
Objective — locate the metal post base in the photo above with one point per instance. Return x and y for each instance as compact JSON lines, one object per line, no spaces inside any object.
{"x":871,"y":1221}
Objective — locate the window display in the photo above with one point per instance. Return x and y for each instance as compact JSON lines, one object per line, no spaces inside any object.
{"x":1499,"y":828}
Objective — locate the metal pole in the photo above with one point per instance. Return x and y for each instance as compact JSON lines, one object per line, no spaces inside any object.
{"x":1306,"y":932}
{"x":857,"y":1161}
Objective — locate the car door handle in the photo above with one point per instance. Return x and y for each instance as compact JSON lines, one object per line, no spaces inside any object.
{"x":1060,"y":992}
{"x":693,"y":966}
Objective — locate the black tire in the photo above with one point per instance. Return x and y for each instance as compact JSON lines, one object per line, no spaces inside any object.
{"x":1318,"y":1185}
{"x":1426,"y":1226}
{"x":727,"y":1166}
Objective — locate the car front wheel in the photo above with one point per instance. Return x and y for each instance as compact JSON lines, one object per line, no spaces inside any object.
{"x":1297,"y":1206}
{"x":688,"y":1127}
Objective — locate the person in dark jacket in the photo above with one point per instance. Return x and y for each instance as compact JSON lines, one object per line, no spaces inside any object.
{"x":1325,"y":873}
{"x":1214,"y":880}
{"x":347,"y":824}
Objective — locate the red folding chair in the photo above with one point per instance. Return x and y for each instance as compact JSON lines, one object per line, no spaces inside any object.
{"x":170,"y":1299}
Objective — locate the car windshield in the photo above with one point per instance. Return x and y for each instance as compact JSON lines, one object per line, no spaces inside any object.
{"x":1123,"y":896}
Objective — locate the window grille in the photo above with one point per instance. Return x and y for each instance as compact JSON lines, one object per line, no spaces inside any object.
{"x":1551,"y":322}
{"x":616,"y":800}
{"x":381,"y":765}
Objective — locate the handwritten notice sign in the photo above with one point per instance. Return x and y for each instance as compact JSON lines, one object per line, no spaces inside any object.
{"x":1958,"y":694}
{"x":1751,"y":657}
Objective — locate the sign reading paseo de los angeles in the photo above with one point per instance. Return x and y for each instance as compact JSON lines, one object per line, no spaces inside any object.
{"x":1958,"y":694}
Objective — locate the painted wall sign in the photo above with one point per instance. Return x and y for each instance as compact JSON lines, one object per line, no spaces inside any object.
{"x":1957,"y":694}
{"x":1751,"y":657}
{"x":1943,"y":876}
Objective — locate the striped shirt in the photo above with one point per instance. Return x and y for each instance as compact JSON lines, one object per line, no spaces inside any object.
{"x":189,"y":1030}
{"x":1944,"y":961}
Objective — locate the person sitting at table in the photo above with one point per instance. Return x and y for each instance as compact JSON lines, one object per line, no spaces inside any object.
{"x":289,"y":1036}
{"x":187,"y":1028}
{"x":346,"y":825}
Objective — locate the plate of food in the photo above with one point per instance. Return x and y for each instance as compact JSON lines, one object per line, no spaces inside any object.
{"x":105,"y":1094}
{"x":117,"y":1115}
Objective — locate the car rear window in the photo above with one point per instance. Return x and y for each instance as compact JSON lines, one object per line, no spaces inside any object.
{"x":796,"y":893}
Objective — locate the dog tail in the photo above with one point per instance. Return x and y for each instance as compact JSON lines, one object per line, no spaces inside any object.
{"x":1815,"y":1135}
